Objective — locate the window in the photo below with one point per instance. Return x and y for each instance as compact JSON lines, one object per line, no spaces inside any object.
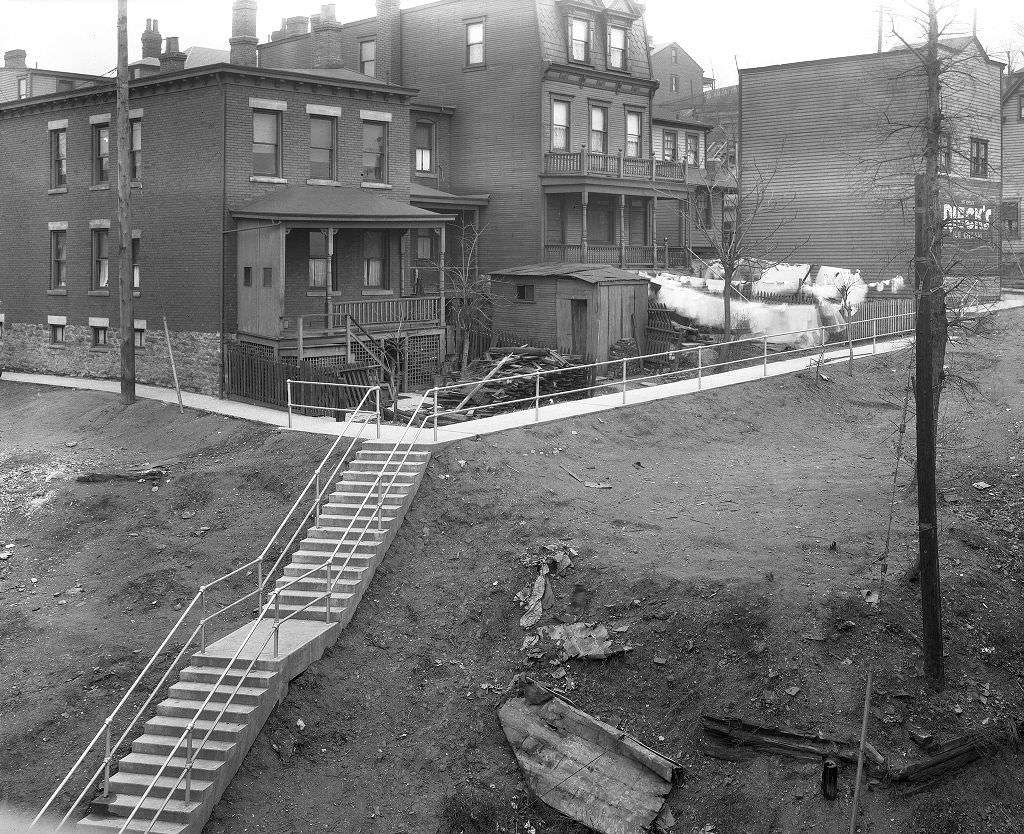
{"x":266,"y":143}
{"x":669,"y":145}
{"x":100,"y":259}
{"x":692,"y":149}
{"x":22,"y":88}
{"x":675,"y":55}
{"x":268,"y":276}
{"x":140,"y":337}
{"x":368,"y":58}
{"x":56,"y":334}
{"x":375,"y":151}
{"x":599,"y":129}
{"x":321,"y":147}
{"x":946,"y":153}
{"x":375,"y":275}
{"x":704,"y":220}
{"x":524,"y":292}
{"x":135,"y":152}
{"x":136,"y":269}
{"x":318,"y":260}
{"x":579,"y":40}
{"x":616,"y":48}
{"x":979,"y":157}
{"x":58,"y":260}
{"x":101,"y":154}
{"x":58,"y":158}
{"x":99,"y":336}
{"x":633,"y":132}
{"x":246,"y":276}
{"x":475,"y":44}
{"x":673,"y":83}
{"x":1009,"y":214}
{"x":424,"y":136}
{"x":425,"y":245}
{"x":65,"y":85}
{"x":559,"y":125}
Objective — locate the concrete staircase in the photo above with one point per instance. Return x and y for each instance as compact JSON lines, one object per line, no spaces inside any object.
{"x":301,"y":641}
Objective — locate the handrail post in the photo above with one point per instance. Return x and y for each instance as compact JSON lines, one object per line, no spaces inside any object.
{"x":376,"y":393}
{"x":327,"y":598}
{"x":316,"y":500}
{"x":188,"y":764}
{"x":536,"y":397}
{"x":874,"y":335}
{"x":623,"y":380}
{"x":288,"y":385}
{"x":202,"y":621}
{"x":765,"y":339}
{"x":106,"y":761}
{"x":435,"y":415}
{"x":277,"y":619}
{"x":259,"y":584}
{"x":700,"y":370}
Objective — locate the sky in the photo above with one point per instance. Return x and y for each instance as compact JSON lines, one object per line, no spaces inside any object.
{"x":79,"y":35}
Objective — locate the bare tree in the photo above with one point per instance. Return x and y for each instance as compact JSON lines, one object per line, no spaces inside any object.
{"x":470,"y":301}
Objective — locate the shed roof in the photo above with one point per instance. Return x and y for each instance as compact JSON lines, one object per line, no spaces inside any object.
{"x":590,"y":273}
{"x":419,"y":193}
{"x":352,"y":207}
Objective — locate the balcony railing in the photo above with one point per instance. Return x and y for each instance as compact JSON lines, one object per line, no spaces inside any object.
{"x":586,"y":162}
{"x":630,"y":255}
{"x":421,"y":310}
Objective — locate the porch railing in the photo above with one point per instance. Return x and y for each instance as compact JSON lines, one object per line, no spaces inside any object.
{"x":618,"y":165}
{"x":421,"y":310}
{"x":635,"y":254}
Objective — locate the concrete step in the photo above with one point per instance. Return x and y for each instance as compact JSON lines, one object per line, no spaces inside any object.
{"x":324,"y":547}
{"x":313,"y":556}
{"x":349,"y":572}
{"x":371,"y":473}
{"x":173,"y":726}
{"x":136,"y":784}
{"x":235,"y":713}
{"x":317,"y":613}
{"x":175,"y":810}
{"x":344,"y":534}
{"x":386,"y":466}
{"x":349,"y":509}
{"x":159,"y":744}
{"x":257,"y":678}
{"x":318,"y":584}
{"x":341,"y":518}
{"x":298,"y":598}
{"x":101,"y":824}
{"x":194,"y":690}
{"x":389,"y":492}
{"x":148,"y":764}
{"x":386,"y":454}
{"x":387,"y":446}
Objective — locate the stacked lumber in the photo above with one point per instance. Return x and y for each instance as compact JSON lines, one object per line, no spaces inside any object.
{"x":497,"y":393}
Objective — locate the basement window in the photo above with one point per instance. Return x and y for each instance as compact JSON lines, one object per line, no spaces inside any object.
{"x":524,"y":292}
{"x":56,"y":334}
{"x":246,"y":276}
{"x":99,"y":337}
{"x":140,"y":337}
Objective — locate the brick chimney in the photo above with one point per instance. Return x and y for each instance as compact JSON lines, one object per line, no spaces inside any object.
{"x":151,"y":39}
{"x":296,"y":26}
{"x":15,"y":59}
{"x":173,"y":59}
{"x":327,"y":39}
{"x":389,"y":41}
{"x":243,"y":38}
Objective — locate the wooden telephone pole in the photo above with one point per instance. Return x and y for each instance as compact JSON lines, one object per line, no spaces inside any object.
{"x":929,"y":280}
{"x":125,"y":282}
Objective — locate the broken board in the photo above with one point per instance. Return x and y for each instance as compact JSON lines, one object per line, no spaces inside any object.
{"x":584,"y":768}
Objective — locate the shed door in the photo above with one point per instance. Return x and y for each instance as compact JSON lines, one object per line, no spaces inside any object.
{"x":579,"y":327}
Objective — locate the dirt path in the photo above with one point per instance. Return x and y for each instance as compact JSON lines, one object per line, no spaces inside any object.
{"x":713,"y":546}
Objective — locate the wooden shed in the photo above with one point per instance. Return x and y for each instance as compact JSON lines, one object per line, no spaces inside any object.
{"x":582,"y":309}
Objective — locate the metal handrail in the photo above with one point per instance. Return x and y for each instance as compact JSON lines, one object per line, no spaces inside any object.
{"x":200,"y":600}
{"x":355,"y":411}
{"x":668,"y":354}
{"x":278,"y":621}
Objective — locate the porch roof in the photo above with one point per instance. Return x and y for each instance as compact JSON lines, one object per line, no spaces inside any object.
{"x":431,"y":196}
{"x":340,"y":207}
{"x":589,"y":273}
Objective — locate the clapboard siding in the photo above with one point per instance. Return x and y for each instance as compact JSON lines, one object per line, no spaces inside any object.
{"x":530,"y":320}
{"x":841,"y":175}
{"x":1013,"y":156}
{"x":580,"y":101}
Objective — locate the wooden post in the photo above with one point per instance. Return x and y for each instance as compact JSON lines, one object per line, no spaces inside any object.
{"x":583,"y":225}
{"x":124,"y":253}
{"x":442,"y":272}
{"x":654,"y":230}
{"x":622,"y":231}
{"x":328,"y":282}
{"x":298,"y":329}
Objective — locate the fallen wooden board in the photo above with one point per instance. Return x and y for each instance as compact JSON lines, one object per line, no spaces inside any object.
{"x":956,"y":753}
{"x":584,"y":768}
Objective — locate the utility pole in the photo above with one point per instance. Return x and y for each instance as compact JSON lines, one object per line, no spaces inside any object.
{"x":125,"y":283}
{"x":929,"y":280}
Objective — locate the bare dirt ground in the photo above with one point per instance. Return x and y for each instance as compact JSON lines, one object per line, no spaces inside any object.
{"x":714,"y":547}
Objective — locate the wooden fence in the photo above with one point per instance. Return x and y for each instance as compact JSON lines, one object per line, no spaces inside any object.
{"x":263,"y":380}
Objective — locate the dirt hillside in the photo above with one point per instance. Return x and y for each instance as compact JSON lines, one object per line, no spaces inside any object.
{"x":713,"y":548}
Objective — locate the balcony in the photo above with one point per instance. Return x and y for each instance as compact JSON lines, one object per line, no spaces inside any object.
{"x":631,"y":255}
{"x":588,"y":163}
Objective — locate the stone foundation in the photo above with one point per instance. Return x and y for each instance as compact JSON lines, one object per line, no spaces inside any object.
{"x":26,"y":347}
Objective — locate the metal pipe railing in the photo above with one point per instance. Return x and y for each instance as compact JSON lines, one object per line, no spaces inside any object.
{"x":292,"y":404}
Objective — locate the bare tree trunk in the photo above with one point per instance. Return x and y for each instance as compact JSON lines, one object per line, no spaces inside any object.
{"x":849,"y":343}
{"x":727,"y":297}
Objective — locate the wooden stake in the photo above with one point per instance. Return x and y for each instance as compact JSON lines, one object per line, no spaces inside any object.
{"x":174,"y":370}
{"x":860,"y":758}
{"x":125,"y":282}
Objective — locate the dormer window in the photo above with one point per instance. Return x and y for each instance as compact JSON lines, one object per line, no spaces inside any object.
{"x":579,"y":40}
{"x":616,"y":48}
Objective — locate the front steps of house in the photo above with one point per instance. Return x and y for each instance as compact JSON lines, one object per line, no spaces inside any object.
{"x":354,"y":534}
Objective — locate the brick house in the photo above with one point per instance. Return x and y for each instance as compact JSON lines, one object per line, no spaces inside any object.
{"x":844,"y":181}
{"x":259,"y":196}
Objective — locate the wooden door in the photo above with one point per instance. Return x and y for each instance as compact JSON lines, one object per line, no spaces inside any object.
{"x":579,"y":327}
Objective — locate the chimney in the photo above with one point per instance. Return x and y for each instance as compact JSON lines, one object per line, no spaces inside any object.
{"x":243,"y":38}
{"x":173,"y":59}
{"x":327,"y":42}
{"x":15,"y":59}
{"x":296,"y":26}
{"x":389,"y":41}
{"x":151,"y":39}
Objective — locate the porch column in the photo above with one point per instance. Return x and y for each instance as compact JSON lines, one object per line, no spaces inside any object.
{"x":583,"y":226}
{"x":330,"y":276}
{"x":441,"y":271}
{"x":654,"y":231}
{"x":622,"y":231}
